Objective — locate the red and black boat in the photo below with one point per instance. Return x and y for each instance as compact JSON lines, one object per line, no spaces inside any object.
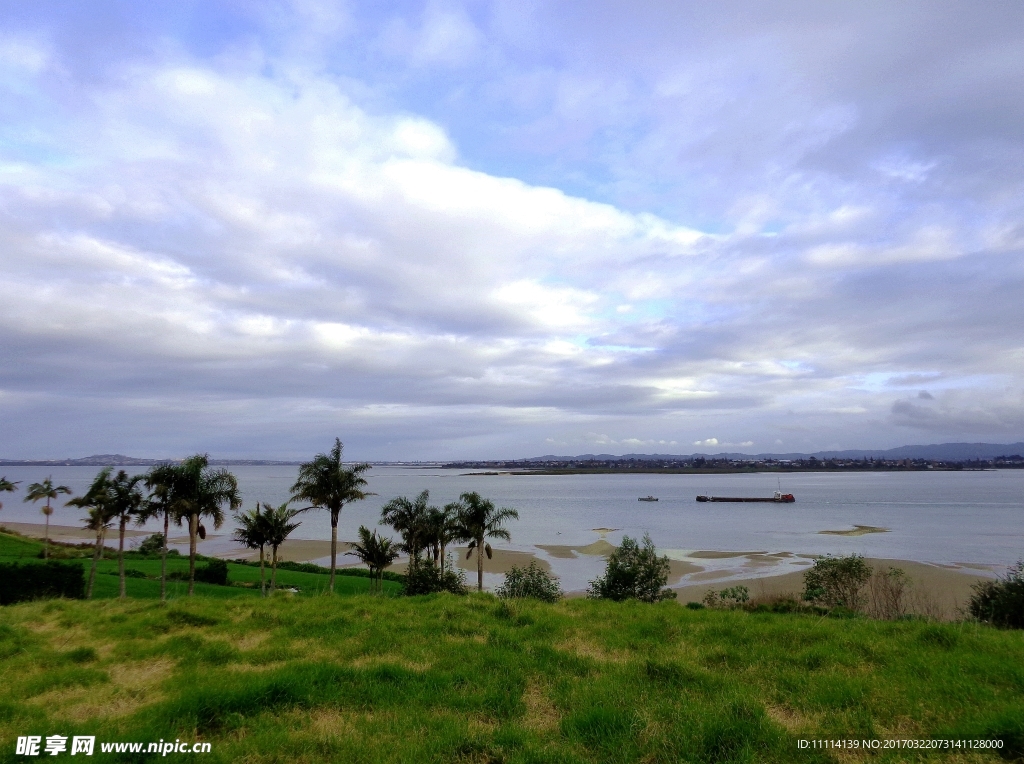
{"x":778,"y":498}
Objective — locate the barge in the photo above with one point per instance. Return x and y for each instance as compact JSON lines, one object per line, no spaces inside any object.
{"x":778,"y":498}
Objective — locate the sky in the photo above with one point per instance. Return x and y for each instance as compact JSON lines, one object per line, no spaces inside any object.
{"x":495,"y":229}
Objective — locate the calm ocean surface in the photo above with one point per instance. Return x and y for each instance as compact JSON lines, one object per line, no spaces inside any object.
{"x":972,"y":518}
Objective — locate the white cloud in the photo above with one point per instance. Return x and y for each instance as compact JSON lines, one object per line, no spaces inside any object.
{"x":452,"y":247}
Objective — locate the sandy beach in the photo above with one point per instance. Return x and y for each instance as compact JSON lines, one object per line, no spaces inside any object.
{"x":67,"y":534}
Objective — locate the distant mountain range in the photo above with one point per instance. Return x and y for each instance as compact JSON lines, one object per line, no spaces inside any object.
{"x":938,"y":451}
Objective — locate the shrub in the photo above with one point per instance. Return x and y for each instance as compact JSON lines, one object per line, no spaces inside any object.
{"x":30,"y":581}
{"x":837,"y":581}
{"x":214,"y":572}
{"x":633,"y":572}
{"x":888,"y":590}
{"x":423,"y":577}
{"x":152,"y":544}
{"x":309,"y":567}
{"x":1001,"y":602}
{"x":734,"y":596}
{"x":530,"y":581}
{"x":128,"y":573}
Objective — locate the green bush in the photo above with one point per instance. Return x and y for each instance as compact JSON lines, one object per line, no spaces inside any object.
{"x":423,"y":577}
{"x":309,"y":567}
{"x":128,"y":573}
{"x":837,"y":582}
{"x":530,"y":581}
{"x":31,"y":581}
{"x":633,"y":572}
{"x":1001,"y":602}
{"x":734,"y":596}
{"x":152,"y":544}
{"x":214,"y":572}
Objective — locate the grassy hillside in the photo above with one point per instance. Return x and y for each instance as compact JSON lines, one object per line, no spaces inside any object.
{"x":19,"y":549}
{"x":471,"y":679}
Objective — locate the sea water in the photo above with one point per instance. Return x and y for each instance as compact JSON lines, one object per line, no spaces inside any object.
{"x":972,"y":518}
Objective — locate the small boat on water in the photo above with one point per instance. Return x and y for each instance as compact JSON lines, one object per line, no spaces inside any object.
{"x":778,"y":498}
{"x":648,"y":498}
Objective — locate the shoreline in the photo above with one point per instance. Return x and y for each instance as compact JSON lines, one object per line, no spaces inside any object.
{"x":940,"y":589}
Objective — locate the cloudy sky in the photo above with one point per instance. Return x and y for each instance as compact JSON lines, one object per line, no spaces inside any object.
{"x":501,"y":229}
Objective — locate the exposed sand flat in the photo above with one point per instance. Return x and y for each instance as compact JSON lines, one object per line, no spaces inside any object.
{"x":937,"y":590}
{"x":296,"y":550}
{"x":858,"y":530}
{"x":600,"y":547}
{"x":67,"y":533}
{"x":679,"y":568}
{"x":722,"y":555}
{"x":502,"y":561}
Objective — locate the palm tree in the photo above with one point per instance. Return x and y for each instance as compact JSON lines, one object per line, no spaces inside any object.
{"x":6,"y":485}
{"x":327,"y":484}
{"x":479,"y":520}
{"x":441,"y":527}
{"x":159,"y":481}
{"x":45,"y":490}
{"x":410,"y":519}
{"x":278,"y":525}
{"x":98,"y":501}
{"x":251,"y":533}
{"x":376,"y":552}
{"x":126,"y":502}
{"x":198,"y":491}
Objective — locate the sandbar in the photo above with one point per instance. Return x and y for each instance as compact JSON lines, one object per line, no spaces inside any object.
{"x":296,"y":550}
{"x":66,"y":533}
{"x":502,"y":561}
{"x":857,"y":530}
{"x":700,"y":555}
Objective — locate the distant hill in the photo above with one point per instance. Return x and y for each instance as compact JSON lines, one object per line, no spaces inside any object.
{"x":937,"y":451}
{"x":120,"y":460}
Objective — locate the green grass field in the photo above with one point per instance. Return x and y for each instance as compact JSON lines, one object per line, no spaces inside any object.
{"x":364,"y":678}
{"x":19,"y":549}
{"x":446,"y":678}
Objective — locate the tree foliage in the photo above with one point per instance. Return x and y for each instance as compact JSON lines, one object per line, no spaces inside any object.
{"x":424,"y":577}
{"x":376,"y":553}
{"x":1001,"y":602}
{"x":411,"y":520}
{"x":277,"y":527}
{"x":531,"y":581}
{"x":633,"y":572}
{"x":7,"y":485}
{"x":476,"y":521}
{"x":326,"y":483}
{"x":837,"y":581}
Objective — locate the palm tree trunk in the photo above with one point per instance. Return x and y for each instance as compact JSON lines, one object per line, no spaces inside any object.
{"x":480,"y":564}
{"x":46,"y":536}
{"x":120,"y":555}
{"x":273,"y":571}
{"x":441,"y":565}
{"x":163,"y":558}
{"x":263,"y":579}
{"x":334,"y":548}
{"x":193,"y":530}
{"x":95,"y":559}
